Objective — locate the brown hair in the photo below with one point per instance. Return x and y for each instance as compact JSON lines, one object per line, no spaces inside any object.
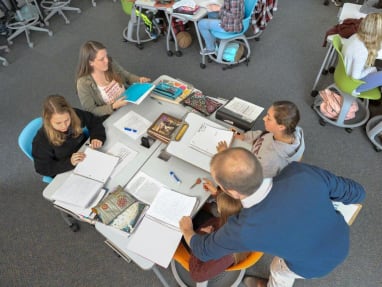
{"x":228,"y":206}
{"x":56,"y":104}
{"x":370,"y":33}
{"x":286,"y":114}
{"x":88,"y":52}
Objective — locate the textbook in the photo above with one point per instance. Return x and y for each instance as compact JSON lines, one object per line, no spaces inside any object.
{"x":85,"y":182}
{"x":158,"y":235}
{"x":164,"y":128}
{"x":171,"y":90}
{"x":137,"y":92}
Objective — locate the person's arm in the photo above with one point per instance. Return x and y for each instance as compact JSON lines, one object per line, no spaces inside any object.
{"x":87,"y":94}
{"x":202,"y":271}
{"x":44,"y":159}
{"x":94,"y":125}
{"x":250,"y":136}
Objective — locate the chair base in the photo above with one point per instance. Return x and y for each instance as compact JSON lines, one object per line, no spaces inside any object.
{"x":58,"y":7}
{"x":374,"y":130}
{"x":362,"y":115}
{"x":2,"y":59}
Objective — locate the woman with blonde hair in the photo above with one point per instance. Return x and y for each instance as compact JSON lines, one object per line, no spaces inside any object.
{"x":202,"y":271}
{"x":361,"y":50}
{"x":101,"y":81}
{"x":55,"y":146}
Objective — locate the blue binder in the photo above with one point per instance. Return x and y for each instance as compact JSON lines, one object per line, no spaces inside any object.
{"x":137,"y":92}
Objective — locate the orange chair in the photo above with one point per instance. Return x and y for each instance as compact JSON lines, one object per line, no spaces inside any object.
{"x":231,"y":277}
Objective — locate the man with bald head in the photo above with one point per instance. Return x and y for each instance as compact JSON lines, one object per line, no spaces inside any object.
{"x":290,"y":216}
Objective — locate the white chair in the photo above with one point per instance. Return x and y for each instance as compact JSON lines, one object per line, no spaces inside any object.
{"x":53,"y":7}
{"x":95,"y":4}
{"x":26,"y":19}
{"x":2,"y":59}
{"x":374,"y":131}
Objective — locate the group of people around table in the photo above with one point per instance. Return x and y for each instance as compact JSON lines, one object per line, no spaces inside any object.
{"x":267,"y":199}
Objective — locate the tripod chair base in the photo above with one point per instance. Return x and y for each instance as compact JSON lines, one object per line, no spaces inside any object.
{"x":57,"y":7}
{"x":374,"y":132}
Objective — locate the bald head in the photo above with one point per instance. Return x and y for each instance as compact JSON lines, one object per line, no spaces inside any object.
{"x":237,"y":169}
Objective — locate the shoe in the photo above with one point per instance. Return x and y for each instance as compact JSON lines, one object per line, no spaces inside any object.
{"x":206,"y":52}
{"x":151,"y":33}
{"x":337,"y":3}
{"x":253,"y":281}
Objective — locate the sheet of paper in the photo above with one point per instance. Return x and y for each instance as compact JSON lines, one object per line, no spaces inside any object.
{"x":137,"y":124}
{"x":170,"y":206}
{"x":78,"y":190}
{"x":246,"y":110}
{"x":144,"y":187}
{"x":207,"y":138}
{"x":96,"y":165}
{"x":125,"y":155}
{"x":348,"y":211}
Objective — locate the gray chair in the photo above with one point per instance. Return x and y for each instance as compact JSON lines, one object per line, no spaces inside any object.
{"x":2,"y":59}
{"x":374,"y":131}
{"x":95,"y":4}
{"x":53,"y":7}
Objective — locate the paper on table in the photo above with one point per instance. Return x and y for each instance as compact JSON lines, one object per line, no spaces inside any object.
{"x":207,"y":138}
{"x":134,"y":121}
{"x":144,"y":187}
{"x":96,"y":165}
{"x":246,"y":110}
{"x":125,"y":155}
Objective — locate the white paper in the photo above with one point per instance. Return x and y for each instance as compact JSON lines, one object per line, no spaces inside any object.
{"x":134,"y":121}
{"x":144,"y":187}
{"x":96,"y":165}
{"x":207,"y":138}
{"x":125,"y":155}
{"x":347,"y":210}
{"x":246,"y":110}
{"x":170,"y":206}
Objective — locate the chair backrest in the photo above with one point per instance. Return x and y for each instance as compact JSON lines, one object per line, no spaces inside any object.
{"x":343,"y":81}
{"x":27,"y":134}
{"x":249,"y":7}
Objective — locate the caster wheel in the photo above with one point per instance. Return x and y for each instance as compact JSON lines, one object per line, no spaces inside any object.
{"x":74,"y":226}
{"x":324,"y":72}
{"x":170,"y":53}
{"x":314,"y":93}
{"x":331,"y":70}
{"x":377,"y":149}
{"x":178,"y":53}
{"x":322,"y":122}
{"x":312,"y":106}
{"x":139,"y":46}
{"x":257,"y":39}
{"x":203,"y":66}
{"x":326,"y":2}
{"x":31,"y":45}
{"x":247,"y":62}
{"x":348,"y":130}
{"x":50,"y":33}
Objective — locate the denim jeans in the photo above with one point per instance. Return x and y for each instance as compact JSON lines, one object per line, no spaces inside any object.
{"x":205,"y":27}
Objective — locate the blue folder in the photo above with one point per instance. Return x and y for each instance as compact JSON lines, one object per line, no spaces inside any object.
{"x":138,"y":91}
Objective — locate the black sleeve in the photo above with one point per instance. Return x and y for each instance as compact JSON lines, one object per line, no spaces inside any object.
{"x":44,"y":159}
{"x":93,"y":123}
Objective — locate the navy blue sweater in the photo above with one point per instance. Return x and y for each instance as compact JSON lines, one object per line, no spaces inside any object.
{"x":295,"y":221}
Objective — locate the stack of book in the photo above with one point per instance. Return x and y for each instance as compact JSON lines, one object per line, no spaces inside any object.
{"x":171,"y":90}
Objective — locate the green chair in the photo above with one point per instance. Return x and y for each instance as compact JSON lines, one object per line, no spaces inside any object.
{"x":347,"y":86}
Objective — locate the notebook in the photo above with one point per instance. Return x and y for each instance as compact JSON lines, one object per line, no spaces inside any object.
{"x":137,"y":92}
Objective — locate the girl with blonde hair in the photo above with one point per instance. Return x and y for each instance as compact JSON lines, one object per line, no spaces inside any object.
{"x":101,"y":81}
{"x":360,"y":52}
{"x":55,"y":146}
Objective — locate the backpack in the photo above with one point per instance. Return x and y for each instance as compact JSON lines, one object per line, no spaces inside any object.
{"x":332,"y":102}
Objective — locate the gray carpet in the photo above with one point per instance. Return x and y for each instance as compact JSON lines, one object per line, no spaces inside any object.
{"x":37,"y":248}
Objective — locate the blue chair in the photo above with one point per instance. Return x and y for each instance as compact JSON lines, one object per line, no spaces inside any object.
{"x":225,"y":38}
{"x":26,"y":138}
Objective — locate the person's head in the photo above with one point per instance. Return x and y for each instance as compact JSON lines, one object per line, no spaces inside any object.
{"x":93,"y":57}
{"x":58,"y":118}
{"x":227,"y":206}
{"x":370,"y":33}
{"x":237,"y":171}
{"x":282,"y":116}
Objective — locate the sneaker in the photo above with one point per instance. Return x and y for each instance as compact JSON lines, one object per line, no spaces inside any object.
{"x":205,"y":52}
{"x":151,"y":33}
{"x":337,"y":3}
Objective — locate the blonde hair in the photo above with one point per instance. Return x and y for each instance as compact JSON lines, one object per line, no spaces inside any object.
{"x":228,"y":206}
{"x":370,"y":33}
{"x":56,"y":104}
{"x":88,"y":52}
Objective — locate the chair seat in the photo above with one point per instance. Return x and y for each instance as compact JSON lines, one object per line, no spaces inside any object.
{"x":227,"y":35}
{"x":374,"y":94}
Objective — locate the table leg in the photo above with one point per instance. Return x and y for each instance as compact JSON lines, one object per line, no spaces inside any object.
{"x":326,"y":62}
{"x":160,"y":276}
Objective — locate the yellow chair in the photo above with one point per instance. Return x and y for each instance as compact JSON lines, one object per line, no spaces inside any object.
{"x":347,"y":86}
{"x":231,"y":277}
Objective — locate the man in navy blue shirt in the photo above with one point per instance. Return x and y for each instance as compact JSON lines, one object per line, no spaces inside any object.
{"x":290,"y":216}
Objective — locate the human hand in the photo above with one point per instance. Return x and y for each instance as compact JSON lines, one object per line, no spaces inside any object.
{"x":94,"y":143}
{"x":222,"y":145}
{"x":77,"y":157}
{"x":210,"y":187}
{"x":120,"y":102}
{"x":238,"y":136}
{"x":208,"y":229}
{"x":144,"y":80}
{"x":213,"y":7}
{"x":185,"y":225}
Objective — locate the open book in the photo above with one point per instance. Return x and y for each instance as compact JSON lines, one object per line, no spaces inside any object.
{"x":158,"y":235}
{"x":84,"y":184}
{"x":137,"y":92}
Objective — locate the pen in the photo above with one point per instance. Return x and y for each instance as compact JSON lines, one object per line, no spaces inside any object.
{"x":173,"y":175}
{"x":130,"y":130}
